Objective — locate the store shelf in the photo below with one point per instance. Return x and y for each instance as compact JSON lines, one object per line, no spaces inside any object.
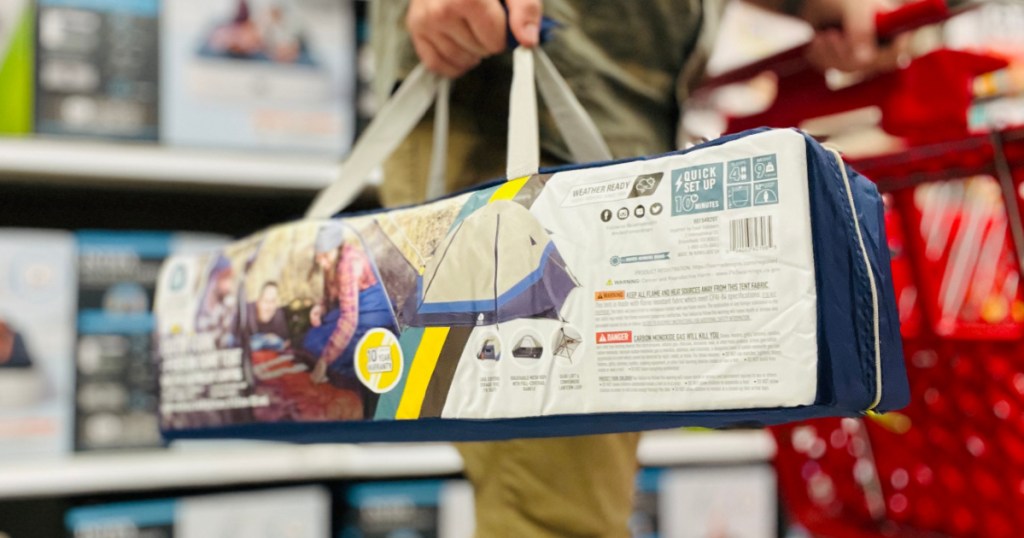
{"x":669,"y":448}
{"x":205,"y":466}
{"x":198,"y":465}
{"x":142,"y":164}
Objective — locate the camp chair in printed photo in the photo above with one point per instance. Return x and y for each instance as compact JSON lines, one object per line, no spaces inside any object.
{"x":566,"y":344}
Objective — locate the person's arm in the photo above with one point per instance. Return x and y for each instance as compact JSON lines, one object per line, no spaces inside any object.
{"x":845,"y":37}
{"x":452,"y":36}
{"x":348,"y":316}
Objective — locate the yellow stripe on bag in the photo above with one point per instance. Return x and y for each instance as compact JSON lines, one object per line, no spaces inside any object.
{"x":509,"y":190}
{"x":422,"y":370}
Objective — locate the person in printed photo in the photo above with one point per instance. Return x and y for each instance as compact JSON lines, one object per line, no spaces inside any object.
{"x":218,"y":310}
{"x":268,"y":321}
{"x":353,"y":302}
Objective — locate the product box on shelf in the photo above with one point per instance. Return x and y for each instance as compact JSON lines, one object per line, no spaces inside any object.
{"x":411,"y":509}
{"x":259,"y":74}
{"x":17,"y":28}
{"x":116,"y":396}
{"x":98,"y":69}
{"x":301,"y":512}
{"x":732,"y":500}
{"x":37,"y":301}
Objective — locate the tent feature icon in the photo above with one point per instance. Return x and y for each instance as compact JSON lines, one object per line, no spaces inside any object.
{"x":490,"y":349}
{"x":497,"y":265}
{"x":528,"y":348}
{"x":566,"y":342}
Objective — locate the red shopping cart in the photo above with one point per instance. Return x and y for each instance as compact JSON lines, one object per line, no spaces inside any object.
{"x":952,"y":462}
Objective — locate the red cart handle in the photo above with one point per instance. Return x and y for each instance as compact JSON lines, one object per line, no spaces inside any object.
{"x":888,"y":25}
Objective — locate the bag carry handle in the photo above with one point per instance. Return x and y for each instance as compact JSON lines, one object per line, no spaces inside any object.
{"x":532,"y":70}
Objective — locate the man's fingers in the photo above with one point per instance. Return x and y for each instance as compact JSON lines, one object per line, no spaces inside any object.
{"x":829,"y":50}
{"x":454,"y":53}
{"x":842,"y":51}
{"x":859,"y":28}
{"x":434,"y":60}
{"x":486,"y":23}
{"x":524,"y":18}
{"x":460,"y":32}
{"x":452,"y":36}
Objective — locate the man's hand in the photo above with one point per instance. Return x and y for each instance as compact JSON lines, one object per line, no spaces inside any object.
{"x":452,"y":36}
{"x":846,"y":37}
{"x":319,"y":373}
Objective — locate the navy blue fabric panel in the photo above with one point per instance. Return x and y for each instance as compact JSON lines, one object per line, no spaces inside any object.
{"x":824,"y":217}
{"x":895,"y":386}
{"x":842,"y":281}
{"x":435,"y":429}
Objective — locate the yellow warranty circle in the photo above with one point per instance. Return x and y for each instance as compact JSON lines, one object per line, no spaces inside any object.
{"x":378,"y":360}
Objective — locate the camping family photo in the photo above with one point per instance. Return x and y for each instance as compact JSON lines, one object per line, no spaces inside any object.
{"x":296,"y":303}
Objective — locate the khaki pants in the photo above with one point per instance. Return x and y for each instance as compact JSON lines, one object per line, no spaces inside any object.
{"x":524,"y":488}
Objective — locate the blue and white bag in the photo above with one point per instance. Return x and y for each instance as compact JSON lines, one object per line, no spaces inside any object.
{"x":744,"y":281}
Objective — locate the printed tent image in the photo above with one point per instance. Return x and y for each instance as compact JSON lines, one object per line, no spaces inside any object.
{"x":528,"y":348}
{"x":497,"y":265}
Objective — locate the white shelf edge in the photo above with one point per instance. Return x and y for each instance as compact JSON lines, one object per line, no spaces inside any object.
{"x":198,"y":465}
{"x":79,"y":161}
{"x":673,"y":447}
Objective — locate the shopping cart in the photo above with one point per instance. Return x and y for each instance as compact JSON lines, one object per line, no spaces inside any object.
{"x":952,"y":462}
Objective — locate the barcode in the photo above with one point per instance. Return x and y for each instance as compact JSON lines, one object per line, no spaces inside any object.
{"x":751,"y":233}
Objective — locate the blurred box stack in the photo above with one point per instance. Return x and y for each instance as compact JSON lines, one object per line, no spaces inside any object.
{"x":97,"y":70}
{"x":302,"y":512}
{"x":116,"y":388}
{"x":37,"y":301}
{"x":258,"y":74}
{"x":17,"y":47}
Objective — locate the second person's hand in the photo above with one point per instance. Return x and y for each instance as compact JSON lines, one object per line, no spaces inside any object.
{"x":452,"y":36}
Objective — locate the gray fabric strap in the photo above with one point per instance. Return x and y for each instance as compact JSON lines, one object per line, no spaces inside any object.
{"x":523,"y":157}
{"x":584,"y":141}
{"x":389,"y":128}
{"x":532,"y":70}
{"x":439,"y":151}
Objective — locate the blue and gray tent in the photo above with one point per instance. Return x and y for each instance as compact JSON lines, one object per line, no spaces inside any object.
{"x":497,"y":265}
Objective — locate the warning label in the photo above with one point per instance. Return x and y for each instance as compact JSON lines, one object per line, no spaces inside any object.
{"x":615,"y":337}
{"x":614,"y":295}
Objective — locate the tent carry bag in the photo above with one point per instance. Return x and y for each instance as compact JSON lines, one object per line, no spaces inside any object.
{"x":744,"y":281}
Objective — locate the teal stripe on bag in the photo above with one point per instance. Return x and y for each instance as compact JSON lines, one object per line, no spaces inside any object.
{"x":387,"y":406}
